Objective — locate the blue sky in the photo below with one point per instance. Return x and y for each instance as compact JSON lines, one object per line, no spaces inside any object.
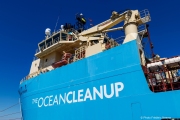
{"x":23,"y":22}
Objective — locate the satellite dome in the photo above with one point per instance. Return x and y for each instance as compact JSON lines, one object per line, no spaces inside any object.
{"x":48,"y":31}
{"x":62,"y":26}
{"x":81,"y":14}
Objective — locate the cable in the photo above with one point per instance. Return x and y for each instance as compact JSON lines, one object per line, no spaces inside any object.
{"x":56,"y":24}
{"x":10,"y":114}
{"x":15,"y":119}
{"x":121,"y":11}
{"x":9,"y":107}
{"x":12,"y":119}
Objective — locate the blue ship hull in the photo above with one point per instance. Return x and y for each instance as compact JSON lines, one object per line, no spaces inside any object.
{"x":107,"y":86}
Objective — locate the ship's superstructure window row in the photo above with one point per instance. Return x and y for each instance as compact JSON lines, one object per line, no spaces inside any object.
{"x":58,"y":59}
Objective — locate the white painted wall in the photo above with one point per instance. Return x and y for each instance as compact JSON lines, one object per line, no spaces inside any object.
{"x":34,"y":66}
{"x":45,"y":63}
{"x":94,"y":49}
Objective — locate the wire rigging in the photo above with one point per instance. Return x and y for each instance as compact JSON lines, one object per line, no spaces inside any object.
{"x":10,"y":114}
{"x":12,"y":119}
{"x":56,"y":24}
{"x":9,"y":107}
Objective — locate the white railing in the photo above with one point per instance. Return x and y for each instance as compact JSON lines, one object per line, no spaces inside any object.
{"x":145,"y":16}
{"x":34,"y":74}
{"x":119,"y":40}
{"x":142,"y":28}
{"x":80,"y":53}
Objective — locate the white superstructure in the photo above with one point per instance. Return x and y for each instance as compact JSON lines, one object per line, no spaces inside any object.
{"x":88,"y":42}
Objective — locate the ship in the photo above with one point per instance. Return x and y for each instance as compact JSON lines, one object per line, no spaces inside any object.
{"x":83,"y":74}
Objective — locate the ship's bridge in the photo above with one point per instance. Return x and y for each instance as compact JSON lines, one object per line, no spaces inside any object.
{"x":57,"y":42}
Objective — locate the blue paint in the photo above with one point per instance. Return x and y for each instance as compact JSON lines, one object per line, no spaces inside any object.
{"x":136,"y":111}
{"x":119,"y":64}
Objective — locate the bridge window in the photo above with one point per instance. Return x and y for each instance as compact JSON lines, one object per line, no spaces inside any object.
{"x":49,"y":42}
{"x":63,"y":36}
{"x":56,"y":38}
{"x":42,"y":46}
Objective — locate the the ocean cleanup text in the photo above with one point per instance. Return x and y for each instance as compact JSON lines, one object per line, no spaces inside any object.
{"x":82,"y":95}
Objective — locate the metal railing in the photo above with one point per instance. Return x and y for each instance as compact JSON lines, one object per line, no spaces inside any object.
{"x":145,"y":16}
{"x":80,"y":53}
{"x":51,"y":41}
{"x":142,"y":28}
{"x":119,"y":40}
{"x":34,"y":74}
{"x":48,"y":44}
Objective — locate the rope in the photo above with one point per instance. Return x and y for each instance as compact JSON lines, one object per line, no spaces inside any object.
{"x":12,"y":119}
{"x":10,"y":114}
{"x":9,"y":107}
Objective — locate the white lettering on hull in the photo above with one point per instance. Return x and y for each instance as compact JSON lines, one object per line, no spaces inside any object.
{"x":82,"y":95}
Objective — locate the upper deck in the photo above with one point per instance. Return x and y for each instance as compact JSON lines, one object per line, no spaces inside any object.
{"x":58,"y":41}
{"x":70,"y":44}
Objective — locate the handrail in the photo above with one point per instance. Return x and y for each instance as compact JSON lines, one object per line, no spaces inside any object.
{"x":51,"y":41}
{"x":34,"y":74}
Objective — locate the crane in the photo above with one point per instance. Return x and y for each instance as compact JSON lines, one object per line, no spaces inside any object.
{"x":82,"y":46}
{"x":131,"y":18}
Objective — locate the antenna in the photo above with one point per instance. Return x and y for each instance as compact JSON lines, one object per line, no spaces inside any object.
{"x":57,"y":20}
{"x":56,"y":24}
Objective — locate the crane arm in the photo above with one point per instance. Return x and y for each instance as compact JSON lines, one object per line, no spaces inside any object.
{"x":132,"y":19}
{"x":114,"y":20}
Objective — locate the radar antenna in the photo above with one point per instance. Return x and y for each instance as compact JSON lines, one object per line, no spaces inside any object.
{"x":48,"y":32}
